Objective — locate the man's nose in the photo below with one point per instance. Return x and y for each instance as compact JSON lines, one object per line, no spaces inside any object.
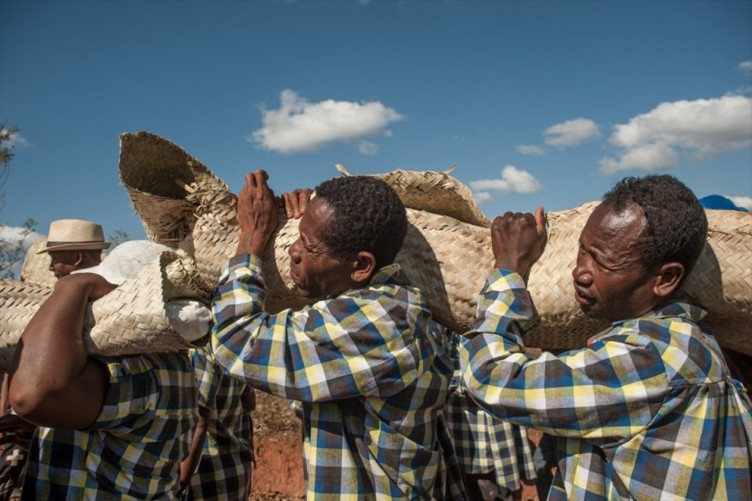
{"x":294,"y":252}
{"x":581,"y":272}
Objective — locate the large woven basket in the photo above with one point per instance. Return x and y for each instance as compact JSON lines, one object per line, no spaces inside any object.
{"x":446,"y":257}
{"x":129,"y":320}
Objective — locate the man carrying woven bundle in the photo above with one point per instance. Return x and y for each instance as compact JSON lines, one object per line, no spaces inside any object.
{"x":72,"y":244}
{"x":647,"y":410}
{"x":109,"y":427}
{"x":365,"y":359}
{"x":219,"y":463}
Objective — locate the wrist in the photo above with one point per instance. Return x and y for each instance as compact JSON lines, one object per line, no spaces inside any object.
{"x":248,"y":245}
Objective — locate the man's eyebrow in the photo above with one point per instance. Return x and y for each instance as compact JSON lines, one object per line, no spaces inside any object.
{"x":305,"y":239}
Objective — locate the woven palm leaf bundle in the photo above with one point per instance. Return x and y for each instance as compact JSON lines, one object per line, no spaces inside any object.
{"x":131,"y":319}
{"x":447,"y":251}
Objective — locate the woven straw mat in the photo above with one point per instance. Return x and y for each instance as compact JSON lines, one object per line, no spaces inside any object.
{"x":36,"y":267}
{"x":449,"y":259}
{"x":155,"y":173}
{"x":129,"y":320}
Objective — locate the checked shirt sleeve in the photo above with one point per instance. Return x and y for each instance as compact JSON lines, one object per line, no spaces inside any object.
{"x":606,"y":391}
{"x":339,"y":348}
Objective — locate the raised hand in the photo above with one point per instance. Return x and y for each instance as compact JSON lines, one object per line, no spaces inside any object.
{"x":258,"y":214}
{"x":518,"y":240}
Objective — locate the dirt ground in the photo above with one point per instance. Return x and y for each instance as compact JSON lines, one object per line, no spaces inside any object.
{"x":278,"y":475}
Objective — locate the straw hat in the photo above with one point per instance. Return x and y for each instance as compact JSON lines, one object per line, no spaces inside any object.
{"x":74,"y":234}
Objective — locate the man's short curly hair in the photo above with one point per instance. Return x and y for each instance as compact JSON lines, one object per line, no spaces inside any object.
{"x":368,"y":215}
{"x":676,"y":228}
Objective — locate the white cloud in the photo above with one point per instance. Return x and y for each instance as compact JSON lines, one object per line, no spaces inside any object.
{"x":645,"y":157}
{"x":530,"y":149}
{"x":745,"y":202}
{"x":699,"y":129}
{"x":512,"y":179}
{"x":571,"y":132}
{"x":13,"y":235}
{"x":482,"y":196}
{"x":298,"y":125}
{"x":745,"y":67}
{"x":368,"y":148}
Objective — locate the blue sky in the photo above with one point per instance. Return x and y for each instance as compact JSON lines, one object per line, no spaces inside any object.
{"x":538,"y":103}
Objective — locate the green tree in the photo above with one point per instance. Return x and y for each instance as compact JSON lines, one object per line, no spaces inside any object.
{"x":12,"y":242}
{"x":6,"y":147}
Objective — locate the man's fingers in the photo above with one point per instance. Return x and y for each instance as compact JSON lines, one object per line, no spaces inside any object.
{"x":540,"y":220}
{"x":296,"y":202}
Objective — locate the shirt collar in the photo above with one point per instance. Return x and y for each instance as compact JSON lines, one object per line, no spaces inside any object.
{"x":672,"y":309}
{"x":389,"y":275}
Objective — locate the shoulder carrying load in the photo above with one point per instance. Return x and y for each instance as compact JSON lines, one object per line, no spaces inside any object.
{"x":136,"y":317}
{"x":447,"y":251}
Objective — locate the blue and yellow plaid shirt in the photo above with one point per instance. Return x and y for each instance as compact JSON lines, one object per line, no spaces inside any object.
{"x":133,"y":450}
{"x":224,"y":471}
{"x":369,"y":371}
{"x":646,"y":411}
{"x":484,"y":443}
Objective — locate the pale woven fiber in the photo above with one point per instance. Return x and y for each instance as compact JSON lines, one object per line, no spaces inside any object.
{"x":435,"y":192}
{"x":156,"y":178}
{"x":36,"y":267}
{"x":18,"y":303}
{"x":449,"y":259}
{"x":131,"y":319}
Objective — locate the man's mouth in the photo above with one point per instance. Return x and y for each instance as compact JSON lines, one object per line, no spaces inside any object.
{"x":581,"y":297}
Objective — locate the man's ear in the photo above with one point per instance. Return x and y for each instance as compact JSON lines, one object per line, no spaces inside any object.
{"x":364,"y":266}
{"x":79,"y":258}
{"x":669,"y":276}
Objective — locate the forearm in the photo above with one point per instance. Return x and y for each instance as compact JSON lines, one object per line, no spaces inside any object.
{"x":307,"y":355}
{"x":248,"y":343}
{"x":495,"y":369}
{"x":237,"y":302}
{"x":190,"y":463}
{"x":577,"y":394}
{"x":53,"y":380}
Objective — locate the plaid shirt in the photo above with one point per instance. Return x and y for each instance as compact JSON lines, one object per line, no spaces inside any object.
{"x":133,"y":450}
{"x":224,"y":469}
{"x":371,"y":376}
{"x":646,"y":411}
{"x":483,"y":443}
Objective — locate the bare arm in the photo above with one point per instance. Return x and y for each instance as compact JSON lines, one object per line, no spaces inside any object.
{"x":189,"y":464}
{"x":53,"y":381}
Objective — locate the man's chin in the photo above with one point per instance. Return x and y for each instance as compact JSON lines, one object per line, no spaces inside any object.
{"x":304,"y":292}
{"x":588,"y":310}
